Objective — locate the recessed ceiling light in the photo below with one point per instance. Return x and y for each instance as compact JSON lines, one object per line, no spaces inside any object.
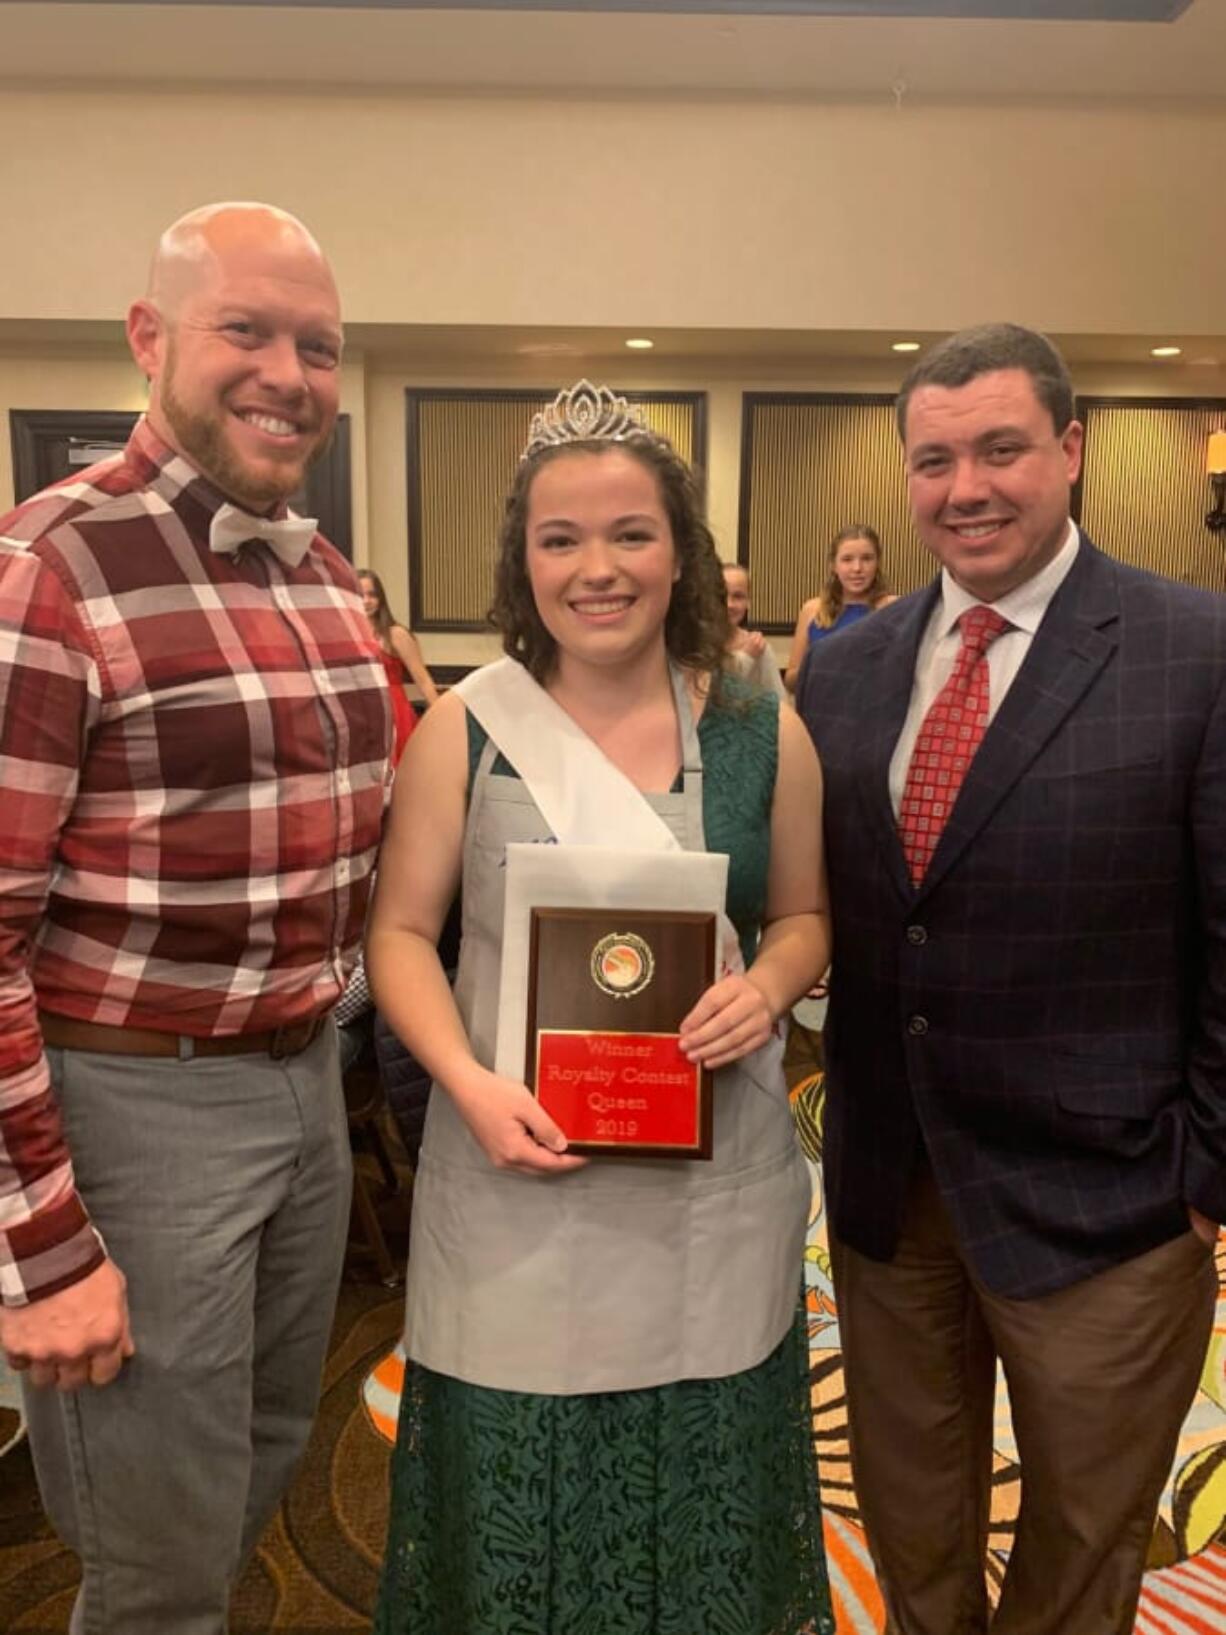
{"x":639,"y":343}
{"x":905,"y":346}
{"x":1165,"y":351}
{"x":548,"y":349}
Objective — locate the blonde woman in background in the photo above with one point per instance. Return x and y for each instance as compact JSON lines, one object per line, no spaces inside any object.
{"x":855,"y":586}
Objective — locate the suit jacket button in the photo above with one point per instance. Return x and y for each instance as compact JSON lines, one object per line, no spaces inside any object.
{"x":917,"y":1025}
{"x":916,"y":935}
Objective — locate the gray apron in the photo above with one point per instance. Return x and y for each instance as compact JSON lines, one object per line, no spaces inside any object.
{"x":620,"y":1275}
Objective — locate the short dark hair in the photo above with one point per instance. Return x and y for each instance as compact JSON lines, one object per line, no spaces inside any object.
{"x":696,"y":627}
{"x":963,"y":357}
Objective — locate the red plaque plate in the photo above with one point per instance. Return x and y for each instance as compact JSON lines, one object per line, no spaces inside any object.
{"x":607,"y":990}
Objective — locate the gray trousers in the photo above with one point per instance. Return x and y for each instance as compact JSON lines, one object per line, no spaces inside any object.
{"x":221,"y":1187}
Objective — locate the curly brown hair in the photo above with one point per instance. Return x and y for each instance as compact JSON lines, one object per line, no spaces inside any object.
{"x":696,"y":626}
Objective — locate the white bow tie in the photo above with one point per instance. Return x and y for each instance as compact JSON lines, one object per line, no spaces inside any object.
{"x":290,"y":538}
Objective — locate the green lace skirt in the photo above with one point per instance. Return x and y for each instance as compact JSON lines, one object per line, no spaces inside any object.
{"x":688,"y":1509}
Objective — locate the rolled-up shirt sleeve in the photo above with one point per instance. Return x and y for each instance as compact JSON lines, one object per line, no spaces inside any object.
{"x":49,"y":695}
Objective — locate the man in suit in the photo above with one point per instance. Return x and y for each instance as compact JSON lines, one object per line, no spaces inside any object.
{"x":1025,"y":1140}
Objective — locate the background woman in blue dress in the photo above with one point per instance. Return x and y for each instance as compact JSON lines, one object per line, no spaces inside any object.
{"x":855,"y":586}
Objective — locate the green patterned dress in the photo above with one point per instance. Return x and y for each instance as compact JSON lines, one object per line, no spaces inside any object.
{"x":685,"y":1509}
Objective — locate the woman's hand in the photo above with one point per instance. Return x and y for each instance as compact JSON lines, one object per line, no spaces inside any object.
{"x":730,"y":1020}
{"x":514,"y":1130}
{"x":752,"y":642}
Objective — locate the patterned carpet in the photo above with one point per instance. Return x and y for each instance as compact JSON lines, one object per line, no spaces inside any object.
{"x":317,"y":1568}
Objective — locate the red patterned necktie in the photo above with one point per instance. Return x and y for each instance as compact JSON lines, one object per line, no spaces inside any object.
{"x":949,"y":735}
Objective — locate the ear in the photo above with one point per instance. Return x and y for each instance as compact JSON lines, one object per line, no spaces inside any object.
{"x":146,"y":331}
{"x":1072,"y":440}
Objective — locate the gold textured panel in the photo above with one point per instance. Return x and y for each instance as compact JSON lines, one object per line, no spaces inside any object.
{"x":673,"y":418}
{"x":466,"y":448}
{"x":1146,"y":493}
{"x":817,"y":465}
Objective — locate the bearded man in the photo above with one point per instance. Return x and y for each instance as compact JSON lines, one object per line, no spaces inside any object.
{"x":195,"y":737}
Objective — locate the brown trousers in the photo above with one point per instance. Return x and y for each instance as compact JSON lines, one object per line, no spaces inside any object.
{"x":1100,"y":1377}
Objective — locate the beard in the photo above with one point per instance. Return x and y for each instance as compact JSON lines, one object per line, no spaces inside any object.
{"x":201,"y":436}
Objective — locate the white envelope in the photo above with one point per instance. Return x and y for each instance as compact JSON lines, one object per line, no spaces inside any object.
{"x":544,"y":876}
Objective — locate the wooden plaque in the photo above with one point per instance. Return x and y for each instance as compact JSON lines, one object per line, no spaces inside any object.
{"x":607,"y":990}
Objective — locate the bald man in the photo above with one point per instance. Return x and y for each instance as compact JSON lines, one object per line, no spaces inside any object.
{"x":194,"y":737}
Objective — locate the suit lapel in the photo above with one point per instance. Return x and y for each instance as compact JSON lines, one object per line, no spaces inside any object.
{"x":1078,"y":634}
{"x":887,"y":677}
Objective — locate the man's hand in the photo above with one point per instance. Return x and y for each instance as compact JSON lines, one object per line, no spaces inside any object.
{"x":79,"y":1336}
{"x":1205,"y":1229}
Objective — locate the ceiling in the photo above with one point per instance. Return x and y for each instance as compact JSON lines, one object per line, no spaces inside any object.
{"x":440,"y":51}
{"x":444,"y":50}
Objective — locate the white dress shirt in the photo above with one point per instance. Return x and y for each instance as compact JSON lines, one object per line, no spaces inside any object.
{"x":1024,"y":608}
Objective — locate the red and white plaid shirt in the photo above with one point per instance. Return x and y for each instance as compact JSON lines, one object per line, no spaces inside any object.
{"x":193,"y":754}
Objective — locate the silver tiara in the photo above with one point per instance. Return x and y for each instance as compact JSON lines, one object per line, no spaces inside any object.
{"x":586,"y":414}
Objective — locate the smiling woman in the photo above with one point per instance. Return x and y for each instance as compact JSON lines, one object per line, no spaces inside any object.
{"x":855,"y":586}
{"x":610,"y":601}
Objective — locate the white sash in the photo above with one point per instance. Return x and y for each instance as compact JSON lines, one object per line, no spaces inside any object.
{"x":613,"y":849}
{"x":582,"y":796}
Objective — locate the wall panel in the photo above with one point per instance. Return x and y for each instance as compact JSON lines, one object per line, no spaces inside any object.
{"x":1145,"y":492}
{"x":462,"y":450}
{"x":812,"y":464}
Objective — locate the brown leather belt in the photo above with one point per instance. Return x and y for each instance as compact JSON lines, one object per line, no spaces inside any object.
{"x":67,"y":1033}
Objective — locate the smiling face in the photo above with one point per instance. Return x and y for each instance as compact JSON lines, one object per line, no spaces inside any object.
{"x":736,"y":591}
{"x":241,"y":341}
{"x":855,"y":567}
{"x":600,"y":557}
{"x":989,"y":478}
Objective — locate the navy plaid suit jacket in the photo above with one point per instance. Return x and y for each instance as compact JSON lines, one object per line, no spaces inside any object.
{"x":1046,"y":1015}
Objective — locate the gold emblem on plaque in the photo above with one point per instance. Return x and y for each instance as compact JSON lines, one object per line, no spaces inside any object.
{"x":622,"y":964}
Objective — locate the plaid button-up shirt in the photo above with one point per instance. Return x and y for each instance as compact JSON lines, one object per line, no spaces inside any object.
{"x":193,"y":756}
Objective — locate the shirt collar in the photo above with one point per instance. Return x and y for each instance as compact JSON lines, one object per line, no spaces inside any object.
{"x":1025,"y":606}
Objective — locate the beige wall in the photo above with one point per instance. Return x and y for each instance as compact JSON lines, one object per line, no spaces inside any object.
{"x":715,"y":213}
{"x":664,"y":212}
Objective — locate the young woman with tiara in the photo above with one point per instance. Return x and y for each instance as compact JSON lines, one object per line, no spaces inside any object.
{"x":605,"y":1426}
{"x":855,"y":586}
